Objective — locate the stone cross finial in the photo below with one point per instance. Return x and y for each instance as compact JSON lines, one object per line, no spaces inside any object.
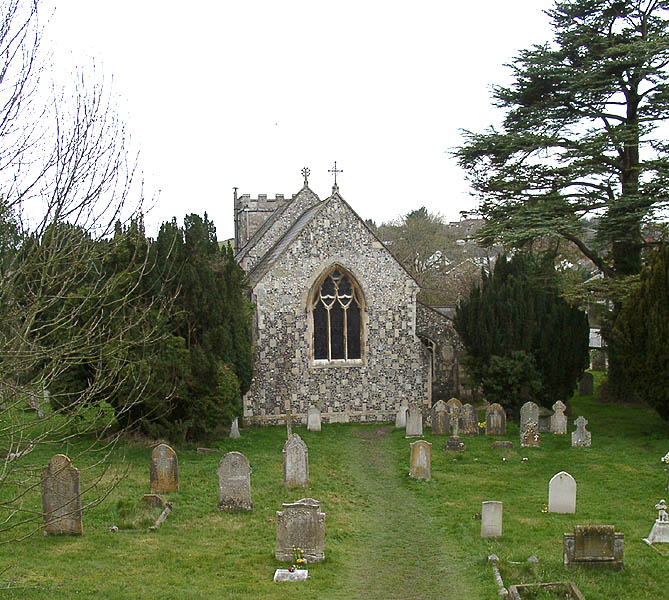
{"x":581,"y":422}
{"x":289,"y":422}
{"x":335,"y":170}
{"x":305,"y":173}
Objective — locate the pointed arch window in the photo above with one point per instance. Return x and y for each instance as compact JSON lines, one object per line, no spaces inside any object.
{"x":336,"y":309}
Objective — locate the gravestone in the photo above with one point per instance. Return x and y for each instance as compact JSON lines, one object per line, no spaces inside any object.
{"x":454,"y":443}
{"x":491,"y":519}
{"x":234,"y":429}
{"x":660,"y":531}
{"x":468,"y":420}
{"x":414,"y":421}
{"x":529,"y":425}
{"x":593,"y":545}
{"x":545,"y":416}
{"x":61,"y":497}
{"x":234,"y":483}
{"x":300,"y":524}
{"x":598,"y":362}
{"x":581,"y":438}
{"x":454,"y":405}
{"x":401,"y":417}
{"x":495,"y":420}
{"x":440,"y":419}
{"x":502,"y":445}
{"x":559,"y":419}
{"x":586,"y":384}
{"x":295,"y":462}
{"x":164,"y":470}
{"x":288,"y":575}
{"x":421,"y":459}
{"x":314,"y":419}
{"x":562,"y":494}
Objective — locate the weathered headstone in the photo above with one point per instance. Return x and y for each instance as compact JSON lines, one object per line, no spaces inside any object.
{"x":468,"y":420}
{"x":598,"y":362}
{"x":164,"y":470}
{"x":314,"y":419}
{"x":593,"y":545}
{"x":454,"y":443}
{"x":502,"y":445}
{"x":562,"y":493}
{"x":234,"y":429}
{"x":581,"y":438}
{"x":234,"y":483}
{"x":295,"y":462}
{"x":495,"y":420}
{"x":421,"y":460}
{"x":401,"y":417}
{"x":454,"y":405}
{"x":301,"y":524}
{"x":61,"y":497}
{"x":414,"y":426}
{"x":440,"y":419}
{"x":545,"y":416}
{"x":660,"y":531}
{"x":491,"y":519}
{"x":559,"y":419}
{"x":586,"y":384}
{"x":529,"y":425}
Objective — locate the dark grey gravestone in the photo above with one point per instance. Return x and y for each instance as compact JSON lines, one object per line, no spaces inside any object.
{"x":440,"y":419}
{"x":234,"y":483}
{"x":495,"y":420}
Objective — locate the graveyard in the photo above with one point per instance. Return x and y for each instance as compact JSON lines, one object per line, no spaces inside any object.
{"x":387,"y":535}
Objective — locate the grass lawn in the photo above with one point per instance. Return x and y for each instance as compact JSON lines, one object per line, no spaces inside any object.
{"x":387,"y":536}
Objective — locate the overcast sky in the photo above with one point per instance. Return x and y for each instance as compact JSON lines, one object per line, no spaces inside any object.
{"x":219,"y":94}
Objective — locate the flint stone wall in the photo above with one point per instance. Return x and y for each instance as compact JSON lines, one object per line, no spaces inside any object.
{"x":395,"y":365}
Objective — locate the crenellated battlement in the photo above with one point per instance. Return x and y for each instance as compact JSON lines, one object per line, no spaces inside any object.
{"x":251,"y":213}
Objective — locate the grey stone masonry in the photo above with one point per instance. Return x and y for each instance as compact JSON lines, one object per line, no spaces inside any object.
{"x":495,"y":420}
{"x":440,"y":419}
{"x":421,"y":460}
{"x":295,"y":462}
{"x":394,"y":365}
{"x":234,"y":483}
{"x":414,"y":426}
{"x":300,"y":524}
{"x":61,"y":497}
{"x":164,"y":470}
{"x":581,"y":438}
{"x":559,"y":419}
{"x":562,"y":493}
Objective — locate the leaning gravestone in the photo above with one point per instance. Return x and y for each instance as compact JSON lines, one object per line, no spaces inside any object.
{"x":581,"y":438}
{"x":491,"y":519}
{"x":468,"y":420}
{"x":421,"y":459}
{"x":61,"y":497}
{"x":314,"y":419}
{"x":559,"y":419}
{"x":295,"y":462}
{"x":401,"y":417}
{"x":234,"y":483}
{"x":529,"y":425}
{"x":660,"y":531}
{"x":440,"y":419}
{"x":300,"y":524}
{"x":234,"y":429}
{"x":164,"y":470}
{"x":586,"y":384}
{"x":562,"y":493}
{"x":495,"y":420}
{"x":414,"y":421}
{"x":595,"y":546}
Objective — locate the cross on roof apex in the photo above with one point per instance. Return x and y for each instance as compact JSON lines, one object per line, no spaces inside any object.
{"x":335,"y":170}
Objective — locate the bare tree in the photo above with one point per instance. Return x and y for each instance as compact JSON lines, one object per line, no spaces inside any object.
{"x":65,"y":181}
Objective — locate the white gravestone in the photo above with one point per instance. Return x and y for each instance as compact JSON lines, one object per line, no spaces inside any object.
{"x":414,"y":421}
{"x":295,"y":462}
{"x":401,"y":417}
{"x":491,"y":519}
{"x":581,"y":438}
{"x":559,"y":419}
{"x":562,"y":494}
{"x":314,"y":419}
{"x":234,"y":429}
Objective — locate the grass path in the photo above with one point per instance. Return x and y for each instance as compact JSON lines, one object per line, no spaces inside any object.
{"x":396,"y":556}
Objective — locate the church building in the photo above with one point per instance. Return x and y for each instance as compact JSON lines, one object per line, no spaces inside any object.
{"x":335,"y":321}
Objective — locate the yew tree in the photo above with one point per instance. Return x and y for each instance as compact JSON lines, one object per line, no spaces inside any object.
{"x":584,"y":135}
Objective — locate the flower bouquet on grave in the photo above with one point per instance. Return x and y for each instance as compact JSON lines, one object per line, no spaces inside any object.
{"x":665,"y":463}
{"x":299,"y":561}
{"x":481,"y":427}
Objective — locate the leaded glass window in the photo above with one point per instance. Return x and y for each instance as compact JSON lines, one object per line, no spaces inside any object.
{"x":336,"y":314}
